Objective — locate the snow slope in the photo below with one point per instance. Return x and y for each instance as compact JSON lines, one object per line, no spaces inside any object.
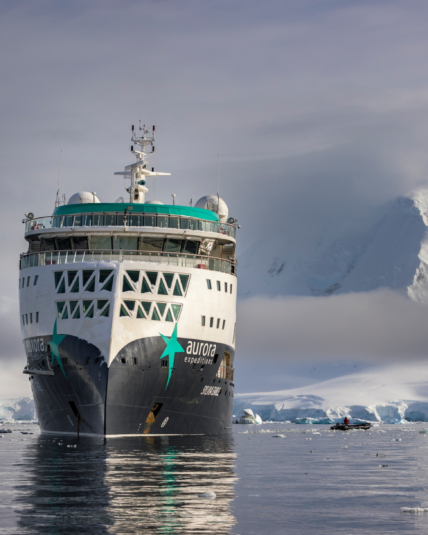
{"x":387,"y":393}
{"x":389,"y":250}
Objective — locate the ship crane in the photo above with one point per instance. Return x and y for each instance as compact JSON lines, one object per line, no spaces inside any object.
{"x":138,"y":170}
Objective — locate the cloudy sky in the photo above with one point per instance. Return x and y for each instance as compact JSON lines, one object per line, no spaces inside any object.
{"x":322,"y":107}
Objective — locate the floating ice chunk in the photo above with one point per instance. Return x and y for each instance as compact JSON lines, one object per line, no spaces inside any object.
{"x":279,"y":436}
{"x":415,"y":510}
{"x":424,"y":432}
{"x":243,"y":432}
{"x":380,"y":455}
{"x":344,"y":447}
{"x":308,"y":438}
{"x":383,"y":466}
{"x":396,"y":440}
{"x":208,"y":495}
{"x":311,"y":451}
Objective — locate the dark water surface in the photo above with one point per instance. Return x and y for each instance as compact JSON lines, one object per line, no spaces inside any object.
{"x":263,"y":484}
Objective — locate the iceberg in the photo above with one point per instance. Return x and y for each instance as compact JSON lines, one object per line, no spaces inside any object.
{"x":247,"y":416}
{"x":20,"y":409}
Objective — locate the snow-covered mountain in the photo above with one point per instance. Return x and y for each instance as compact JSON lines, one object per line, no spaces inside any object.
{"x":17,"y":409}
{"x":389,"y":393}
{"x":390,"y":249}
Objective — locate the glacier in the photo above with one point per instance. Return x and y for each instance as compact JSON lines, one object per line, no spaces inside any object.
{"x":20,"y":409}
{"x":388,"y":394}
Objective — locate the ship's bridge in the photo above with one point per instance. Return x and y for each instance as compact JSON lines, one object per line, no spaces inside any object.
{"x":102,"y":231}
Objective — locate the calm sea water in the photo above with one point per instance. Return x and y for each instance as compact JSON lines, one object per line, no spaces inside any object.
{"x":263,"y":484}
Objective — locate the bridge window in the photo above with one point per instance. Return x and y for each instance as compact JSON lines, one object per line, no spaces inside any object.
{"x":127,"y":243}
{"x":104,"y":274}
{"x":151,"y":245}
{"x":47,"y":245}
{"x":177,"y":290}
{"x":190,"y":247}
{"x":176,"y":311}
{"x":102,"y":243}
{"x":133,"y":275}
{"x":62,"y":310}
{"x":172,"y":246}
{"x":184,"y":280}
{"x":63,"y":244}
{"x":80,"y":243}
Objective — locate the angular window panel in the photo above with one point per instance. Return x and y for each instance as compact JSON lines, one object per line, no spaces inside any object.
{"x":64,"y":315}
{"x":60,"y":306}
{"x":145,"y":288}
{"x":184,"y":281}
{"x":91,"y":285}
{"x":176,"y":311}
{"x":140,"y":314}
{"x":63,"y":244}
{"x":76,"y":314}
{"x":100,"y":243}
{"x":168,"y":316}
{"x":70,"y":276}
{"x":133,"y":275}
{"x":108,"y":285}
{"x":152,"y":276}
{"x":161,"y":307}
{"x":162,"y":290}
{"x":58,"y":275}
{"x":130,"y":304}
{"x":123,"y":311}
{"x":90,"y":313}
{"x":105,"y":274}
{"x":155,"y":315}
{"x":80,"y":243}
{"x":146,"y":305}
{"x":177,"y":290}
{"x":105,"y":312}
{"x":172,"y":246}
{"x":101,"y":303}
{"x":75,"y":288}
{"x":190,"y":247}
{"x":87,"y":274}
{"x":168,"y":279}
{"x":151,"y":245}
{"x":126,"y":243}
{"x":61,"y":289}
{"x":126,"y":287}
{"x":86,"y":305}
{"x":73,"y":305}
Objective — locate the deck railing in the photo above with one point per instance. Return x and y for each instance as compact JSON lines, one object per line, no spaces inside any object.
{"x":131,"y":221}
{"x":225,"y":372}
{"x":171,"y":259}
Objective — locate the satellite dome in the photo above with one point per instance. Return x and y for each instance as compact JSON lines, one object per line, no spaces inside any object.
{"x":153,"y":202}
{"x":83,"y":197}
{"x":214,"y":204}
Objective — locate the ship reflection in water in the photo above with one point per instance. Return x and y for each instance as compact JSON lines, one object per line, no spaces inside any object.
{"x":127,"y":485}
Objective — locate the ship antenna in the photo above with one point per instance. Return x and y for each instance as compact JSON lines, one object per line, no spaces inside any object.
{"x":57,"y":202}
{"x":218,"y":163}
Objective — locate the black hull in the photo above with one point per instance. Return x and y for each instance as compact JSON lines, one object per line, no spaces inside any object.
{"x":133,"y":396}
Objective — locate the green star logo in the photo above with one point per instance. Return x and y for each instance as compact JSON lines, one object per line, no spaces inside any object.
{"x":172,"y":347}
{"x":53,"y":344}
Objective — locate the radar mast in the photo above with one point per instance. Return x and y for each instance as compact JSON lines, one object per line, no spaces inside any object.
{"x":138,"y":171}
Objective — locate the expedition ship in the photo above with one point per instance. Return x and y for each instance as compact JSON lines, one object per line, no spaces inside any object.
{"x":128,"y":312}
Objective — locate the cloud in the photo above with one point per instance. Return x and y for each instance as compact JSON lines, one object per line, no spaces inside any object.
{"x":373,"y":327}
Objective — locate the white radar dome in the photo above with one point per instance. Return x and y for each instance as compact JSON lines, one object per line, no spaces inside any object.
{"x":153,"y":202}
{"x":213,"y":203}
{"x":83,"y":197}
